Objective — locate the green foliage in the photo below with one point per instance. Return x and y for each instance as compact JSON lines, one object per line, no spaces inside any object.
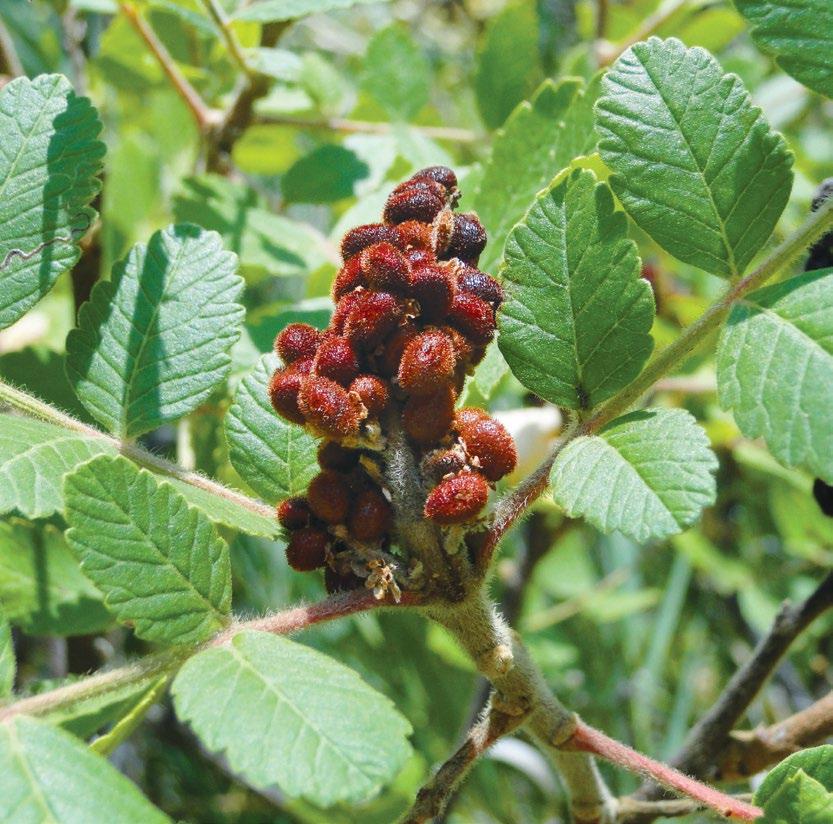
{"x":159,"y":562}
{"x":277,"y":459}
{"x":285,"y":714}
{"x":47,"y":775}
{"x":775,"y":360}
{"x":569,"y":258}
{"x":680,"y":136}
{"x":648,"y":474}
{"x":327,"y":173}
{"x":798,"y":34}
{"x":276,"y":11}
{"x":799,"y":790}
{"x":48,"y":167}
{"x":152,"y":343}
{"x":7,"y":661}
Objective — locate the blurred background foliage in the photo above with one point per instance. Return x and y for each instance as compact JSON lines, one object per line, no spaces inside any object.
{"x":639,"y":639}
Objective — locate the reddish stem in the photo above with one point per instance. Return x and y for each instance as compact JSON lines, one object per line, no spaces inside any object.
{"x":590,"y":740}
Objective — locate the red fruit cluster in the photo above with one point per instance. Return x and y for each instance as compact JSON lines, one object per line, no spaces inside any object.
{"x":413,"y":317}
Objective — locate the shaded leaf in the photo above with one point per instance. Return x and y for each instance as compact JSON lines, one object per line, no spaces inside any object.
{"x":8,"y":664}
{"x":326,"y":174}
{"x":275,"y":11}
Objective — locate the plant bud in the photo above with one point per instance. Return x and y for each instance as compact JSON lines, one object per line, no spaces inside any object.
{"x":385,"y":268}
{"x":483,"y":286}
{"x":427,"y":363}
{"x":328,"y":496}
{"x":370,"y":516}
{"x":457,"y":499}
{"x":415,"y":200}
{"x":332,"y":455}
{"x":284,"y":389}
{"x":426,"y":419}
{"x":473,"y":317}
{"x":373,"y":316}
{"x":294,"y":513}
{"x":468,"y":416}
{"x":441,"y":174}
{"x":329,"y":408}
{"x":346,"y":304}
{"x":372,"y":392}
{"x":336,"y":359}
{"x":349,"y":277}
{"x":433,"y":288}
{"x":389,"y":358}
{"x":490,"y":443}
{"x":468,"y":239}
{"x":363,"y":236}
{"x":441,"y":462}
{"x":414,"y":236}
{"x":307,"y":549}
{"x":295,"y":342}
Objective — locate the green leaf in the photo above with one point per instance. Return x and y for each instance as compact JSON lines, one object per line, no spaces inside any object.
{"x":799,"y":790}
{"x":539,"y":139}
{"x":130,"y":720}
{"x":396,"y":73}
{"x":326,"y":174}
{"x":287,"y":715}
{"x":775,"y":369}
{"x":158,"y":561}
{"x":799,"y":34}
{"x":152,"y":343}
{"x":42,"y":588}
{"x":277,"y":459}
{"x":34,"y":456}
{"x":8,"y":664}
{"x":575,"y":325}
{"x":49,"y":160}
{"x":695,"y":164}
{"x":508,"y":61}
{"x":276,"y":11}
{"x":648,"y":474}
{"x":49,"y":777}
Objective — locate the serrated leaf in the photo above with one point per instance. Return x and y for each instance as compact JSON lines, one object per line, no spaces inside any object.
{"x":49,"y":159}
{"x":49,"y":777}
{"x":287,"y":715}
{"x":575,"y":324}
{"x":799,"y":790}
{"x":648,"y":474}
{"x":8,"y":664}
{"x":159,"y":562}
{"x":799,"y":34}
{"x":276,"y":11}
{"x":153,"y":342}
{"x":277,"y":459}
{"x":539,"y":139}
{"x":695,"y":164}
{"x":42,"y":588}
{"x":775,"y":369}
{"x":396,"y":73}
{"x":34,"y":456}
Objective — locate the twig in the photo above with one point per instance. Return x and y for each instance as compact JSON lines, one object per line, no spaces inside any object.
{"x":433,"y":797}
{"x":601,"y":18}
{"x":591,"y":801}
{"x":667,"y":808}
{"x":204,"y":116}
{"x":750,"y":751}
{"x":608,"y":53}
{"x":218,"y":15}
{"x":9,"y":60}
{"x":24,"y":402}
{"x":688,"y":384}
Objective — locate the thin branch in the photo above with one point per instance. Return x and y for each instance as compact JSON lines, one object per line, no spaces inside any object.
{"x":591,"y":801}
{"x":433,"y":797}
{"x":751,"y":751}
{"x":9,"y":61}
{"x":204,"y":116}
{"x":24,"y":402}
{"x":666,"y":808}
{"x":688,"y":384}
{"x":609,"y":53}
{"x":602,"y":14}
{"x":220,"y":18}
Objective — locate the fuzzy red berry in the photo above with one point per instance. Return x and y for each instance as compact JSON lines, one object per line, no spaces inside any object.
{"x":426,"y":419}
{"x":370,"y":516}
{"x":328,"y":496}
{"x":284,"y":390}
{"x":329,"y":408}
{"x":294,"y":513}
{"x":433,"y":288}
{"x":349,"y":277}
{"x":336,"y":359}
{"x":490,"y":444}
{"x":427,"y":363}
{"x":332,"y":455}
{"x":363,"y":236}
{"x":389,"y":358}
{"x":468,"y":416}
{"x":341,"y":581}
{"x":457,"y":499}
{"x":414,"y":236}
{"x":468,"y":239}
{"x":372,"y":392}
{"x":295,"y":342}
{"x":415,"y":200}
{"x":307,"y":549}
{"x":473,"y":317}
{"x":373,"y":316}
{"x":441,"y":174}
{"x":478,"y":283}
{"x":441,"y":462}
{"x":385,"y":268}
{"x":344,"y":306}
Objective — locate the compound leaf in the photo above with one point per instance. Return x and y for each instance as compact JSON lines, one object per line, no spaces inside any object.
{"x":49,"y":159}
{"x":575,"y":325}
{"x":277,"y":459}
{"x":648,"y":474}
{"x":153,"y":342}
{"x":287,"y":715}
{"x":159,"y":562}
{"x":695,"y":164}
{"x":775,"y":369}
